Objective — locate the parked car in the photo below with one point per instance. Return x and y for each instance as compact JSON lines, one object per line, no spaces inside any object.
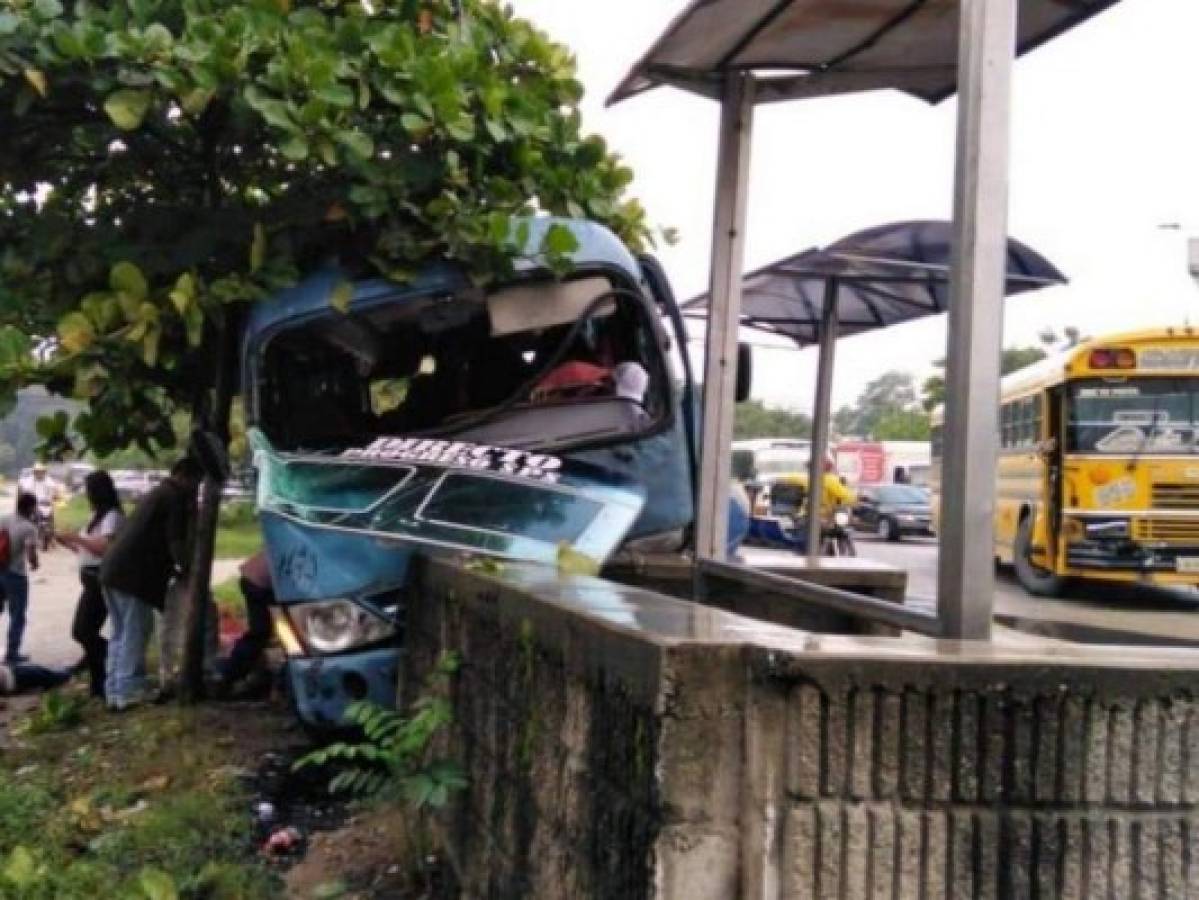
{"x":133,"y":484}
{"x":893,"y":510}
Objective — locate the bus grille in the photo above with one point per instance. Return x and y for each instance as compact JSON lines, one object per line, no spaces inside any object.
{"x":1169,"y":531}
{"x":1176,"y":496}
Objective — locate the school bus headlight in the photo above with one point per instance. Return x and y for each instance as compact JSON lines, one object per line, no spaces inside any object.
{"x":1075,"y":530}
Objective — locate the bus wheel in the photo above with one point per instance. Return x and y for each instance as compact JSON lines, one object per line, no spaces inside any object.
{"x":1032,"y":577}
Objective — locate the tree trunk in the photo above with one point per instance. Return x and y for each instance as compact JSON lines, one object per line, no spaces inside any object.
{"x":191,"y":681}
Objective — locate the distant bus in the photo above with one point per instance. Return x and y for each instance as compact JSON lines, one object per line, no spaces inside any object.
{"x":1098,"y":474}
{"x":759,"y":458}
{"x":865,"y":463}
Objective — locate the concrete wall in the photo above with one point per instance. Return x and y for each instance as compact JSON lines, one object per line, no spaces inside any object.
{"x":625,"y":744}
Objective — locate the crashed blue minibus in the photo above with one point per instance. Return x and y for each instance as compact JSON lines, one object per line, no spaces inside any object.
{"x":540,"y":416}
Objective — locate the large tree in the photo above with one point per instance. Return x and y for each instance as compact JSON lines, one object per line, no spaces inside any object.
{"x":886,"y":410}
{"x":163,"y":159}
{"x":165,"y":162}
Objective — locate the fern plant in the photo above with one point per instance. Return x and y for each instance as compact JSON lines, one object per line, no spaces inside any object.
{"x":392,"y":762}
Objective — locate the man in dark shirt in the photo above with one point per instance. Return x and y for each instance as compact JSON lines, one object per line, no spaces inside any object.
{"x":149,"y":550}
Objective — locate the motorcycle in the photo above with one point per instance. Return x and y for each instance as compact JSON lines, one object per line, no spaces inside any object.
{"x":836,"y":538}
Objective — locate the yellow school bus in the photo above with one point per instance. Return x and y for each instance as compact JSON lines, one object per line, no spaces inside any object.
{"x":1098,"y":474}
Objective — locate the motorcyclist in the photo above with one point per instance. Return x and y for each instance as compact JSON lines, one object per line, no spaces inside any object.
{"x":835,"y":494}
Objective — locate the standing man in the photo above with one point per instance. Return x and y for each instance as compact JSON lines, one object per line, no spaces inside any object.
{"x":149,"y":551}
{"x":41,"y":485}
{"x":22,"y":550}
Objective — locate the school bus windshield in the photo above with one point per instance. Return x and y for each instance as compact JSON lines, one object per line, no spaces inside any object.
{"x":1134,"y":417}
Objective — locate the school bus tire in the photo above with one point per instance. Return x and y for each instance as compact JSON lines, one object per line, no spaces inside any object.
{"x":1032,"y":577}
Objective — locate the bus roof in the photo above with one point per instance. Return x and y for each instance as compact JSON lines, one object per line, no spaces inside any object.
{"x":597,"y":247}
{"x":1057,"y":367}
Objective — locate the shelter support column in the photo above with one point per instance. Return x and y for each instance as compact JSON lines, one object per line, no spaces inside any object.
{"x":724,"y":313}
{"x":821,"y":415}
{"x":966,"y":575}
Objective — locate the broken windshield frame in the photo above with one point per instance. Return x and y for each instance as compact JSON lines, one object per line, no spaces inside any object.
{"x":591,"y":373}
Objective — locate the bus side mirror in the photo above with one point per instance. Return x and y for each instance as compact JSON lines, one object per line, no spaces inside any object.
{"x":745,"y":372}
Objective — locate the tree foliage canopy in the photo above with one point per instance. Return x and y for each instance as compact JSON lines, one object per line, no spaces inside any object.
{"x":886,"y":410}
{"x":753,"y":419}
{"x":162,"y":159}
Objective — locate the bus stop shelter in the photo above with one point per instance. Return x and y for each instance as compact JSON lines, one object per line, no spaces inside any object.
{"x":746,"y":52}
{"x":872,"y":279}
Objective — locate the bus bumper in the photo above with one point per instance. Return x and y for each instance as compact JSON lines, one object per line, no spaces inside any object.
{"x":323,"y":687}
{"x":1174,"y":565}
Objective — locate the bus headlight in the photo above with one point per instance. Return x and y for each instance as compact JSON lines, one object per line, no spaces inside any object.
{"x":334,"y":626}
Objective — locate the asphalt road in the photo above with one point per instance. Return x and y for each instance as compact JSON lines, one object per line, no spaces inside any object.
{"x":1088,"y":612}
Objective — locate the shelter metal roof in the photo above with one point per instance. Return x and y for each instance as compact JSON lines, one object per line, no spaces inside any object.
{"x":813,"y":48}
{"x":883,"y":276}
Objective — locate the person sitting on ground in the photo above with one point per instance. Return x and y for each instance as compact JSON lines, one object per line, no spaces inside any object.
{"x":89,"y":545}
{"x":146,"y":555}
{"x":256,"y":588}
{"x":17,"y":678}
{"x":22,"y":549}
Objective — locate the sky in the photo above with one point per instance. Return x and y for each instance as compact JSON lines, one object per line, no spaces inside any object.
{"x":1104,"y":175}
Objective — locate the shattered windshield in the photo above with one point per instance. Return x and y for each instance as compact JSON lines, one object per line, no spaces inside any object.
{"x":452,"y":495}
{"x":545,"y":364}
{"x":1134,"y":416}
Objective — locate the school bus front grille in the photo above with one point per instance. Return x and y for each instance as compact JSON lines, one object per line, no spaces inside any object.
{"x":1166,"y":530}
{"x":1176,"y":496}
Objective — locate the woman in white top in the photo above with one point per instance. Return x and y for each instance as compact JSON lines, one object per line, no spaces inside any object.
{"x":89,"y":545}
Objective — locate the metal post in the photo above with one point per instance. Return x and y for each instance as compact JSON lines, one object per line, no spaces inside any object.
{"x":724,"y":313}
{"x":820,"y":416}
{"x":966,"y":572}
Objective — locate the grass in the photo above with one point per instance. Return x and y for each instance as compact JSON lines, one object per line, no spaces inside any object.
{"x":238,"y":534}
{"x":141,"y":805}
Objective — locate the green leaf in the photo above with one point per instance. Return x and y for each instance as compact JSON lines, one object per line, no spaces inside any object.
{"x":357,"y":142}
{"x":157,"y":885}
{"x":183,"y":295}
{"x":258,"y":247}
{"x":195,"y":101}
{"x":75,"y":332}
{"x":21,"y":868}
{"x":48,"y":9}
{"x":193,"y":321}
{"x":341,"y":296}
{"x":339,"y":95}
{"x":128,"y":279}
{"x":413,"y":124}
{"x":127,"y":108}
{"x":295,"y":148}
{"x":8,"y":24}
{"x":560,"y":240}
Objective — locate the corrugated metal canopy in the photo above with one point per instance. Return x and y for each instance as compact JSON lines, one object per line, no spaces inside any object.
{"x":812,"y":48}
{"x":883,"y":276}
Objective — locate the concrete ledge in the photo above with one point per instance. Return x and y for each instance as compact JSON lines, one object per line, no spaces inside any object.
{"x":622,"y":743}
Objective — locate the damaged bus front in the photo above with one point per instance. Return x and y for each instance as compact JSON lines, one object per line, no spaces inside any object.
{"x":535,"y":419}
